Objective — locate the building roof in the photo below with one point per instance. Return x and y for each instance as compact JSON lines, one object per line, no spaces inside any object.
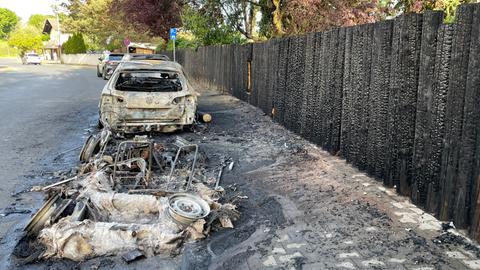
{"x":49,"y":25}
{"x":142,"y":45}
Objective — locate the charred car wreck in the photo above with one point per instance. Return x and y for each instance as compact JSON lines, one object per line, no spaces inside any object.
{"x":141,"y":196}
{"x":149,"y":95}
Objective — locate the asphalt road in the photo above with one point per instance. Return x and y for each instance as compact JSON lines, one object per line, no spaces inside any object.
{"x":45,"y":112}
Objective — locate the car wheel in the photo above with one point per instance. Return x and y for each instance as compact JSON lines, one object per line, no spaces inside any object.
{"x":98,"y":73}
{"x":104,"y":75}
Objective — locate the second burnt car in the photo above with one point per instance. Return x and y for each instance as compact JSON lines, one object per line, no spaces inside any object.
{"x":148,"y":96}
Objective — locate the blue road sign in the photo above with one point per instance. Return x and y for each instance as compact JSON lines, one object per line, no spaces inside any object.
{"x":173,"y":33}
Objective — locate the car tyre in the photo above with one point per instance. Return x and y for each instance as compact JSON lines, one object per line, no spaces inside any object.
{"x":104,"y":75}
{"x":98,"y":73}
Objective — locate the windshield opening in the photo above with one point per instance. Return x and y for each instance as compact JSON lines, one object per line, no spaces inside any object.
{"x":158,"y":81}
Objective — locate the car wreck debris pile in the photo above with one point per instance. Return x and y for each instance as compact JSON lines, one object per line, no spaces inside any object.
{"x":134,"y":197}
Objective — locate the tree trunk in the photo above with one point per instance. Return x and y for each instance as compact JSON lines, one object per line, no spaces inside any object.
{"x":277,"y":18}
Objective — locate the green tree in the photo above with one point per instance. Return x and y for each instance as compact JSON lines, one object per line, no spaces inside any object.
{"x":26,"y":39}
{"x":397,"y":7}
{"x":38,"y":20}
{"x":8,"y":20}
{"x":74,"y":44}
{"x":100,"y":28}
{"x":208,"y":28}
{"x":184,"y":40}
{"x":6,"y":50}
{"x":228,"y":17}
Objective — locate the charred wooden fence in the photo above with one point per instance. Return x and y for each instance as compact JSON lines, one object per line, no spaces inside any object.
{"x":399,"y":99}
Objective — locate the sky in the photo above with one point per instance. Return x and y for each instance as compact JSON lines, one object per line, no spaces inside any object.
{"x":25,"y":8}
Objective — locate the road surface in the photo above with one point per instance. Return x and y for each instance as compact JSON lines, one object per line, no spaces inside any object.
{"x":44,"y":111}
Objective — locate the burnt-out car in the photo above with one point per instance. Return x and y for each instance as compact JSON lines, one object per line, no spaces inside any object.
{"x":148,"y":96}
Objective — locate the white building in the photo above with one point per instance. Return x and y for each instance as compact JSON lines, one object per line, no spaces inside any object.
{"x":52,"y":48}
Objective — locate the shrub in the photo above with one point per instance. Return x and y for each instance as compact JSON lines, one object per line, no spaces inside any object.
{"x":74,"y":44}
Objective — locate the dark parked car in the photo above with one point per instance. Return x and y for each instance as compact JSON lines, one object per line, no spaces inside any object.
{"x":108,"y":63}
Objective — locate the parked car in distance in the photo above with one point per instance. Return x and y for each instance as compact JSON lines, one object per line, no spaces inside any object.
{"x":108,"y":63}
{"x":31,"y":58}
{"x":140,"y":57}
{"x":144,"y":96}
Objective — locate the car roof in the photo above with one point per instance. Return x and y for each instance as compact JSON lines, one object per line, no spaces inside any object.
{"x":150,"y":65}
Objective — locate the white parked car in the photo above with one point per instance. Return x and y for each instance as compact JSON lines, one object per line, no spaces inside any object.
{"x":31,"y":58}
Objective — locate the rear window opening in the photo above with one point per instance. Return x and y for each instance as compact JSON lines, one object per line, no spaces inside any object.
{"x":149,"y":82}
{"x":115,"y":57}
{"x":32,"y":54}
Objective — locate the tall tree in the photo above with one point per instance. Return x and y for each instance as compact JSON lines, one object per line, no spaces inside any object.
{"x":447,"y":6}
{"x":239,"y":15}
{"x":38,"y":20}
{"x":74,"y":44}
{"x":153,"y":17}
{"x":208,"y":27}
{"x":286,"y":17}
{"x":100,"y":28}
{"x":26,"y":39}
{"x":300,"y":16}
{"x":8,"y":20}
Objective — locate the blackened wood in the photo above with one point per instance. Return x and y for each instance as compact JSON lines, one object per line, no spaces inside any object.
{"x":454,"y":196}
{"x":402,"y":103}
{"x":378,"y":99}
{"x":424,"y":145}
{"x":345,"y":132}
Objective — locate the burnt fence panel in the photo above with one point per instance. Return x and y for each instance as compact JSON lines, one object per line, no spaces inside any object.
{"x":424,"y":171}
{"x":399,"y":99}
{"x":308,"y":94}
{"x":453,"y":193}
{"x":472,"y":100}
{"x":347,"y":97}
{"x":378,"y":99}
{"x":281,"y":79}
{"x":336,"y":89}
{"x":294,"y":84}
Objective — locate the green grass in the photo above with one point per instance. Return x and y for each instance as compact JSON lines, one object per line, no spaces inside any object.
{"x":7,"y":51}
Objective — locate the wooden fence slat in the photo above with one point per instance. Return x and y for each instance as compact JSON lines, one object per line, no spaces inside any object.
{"x":378,"y":99}
{"x":454,"y":197}
{"x":423,"y":171}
